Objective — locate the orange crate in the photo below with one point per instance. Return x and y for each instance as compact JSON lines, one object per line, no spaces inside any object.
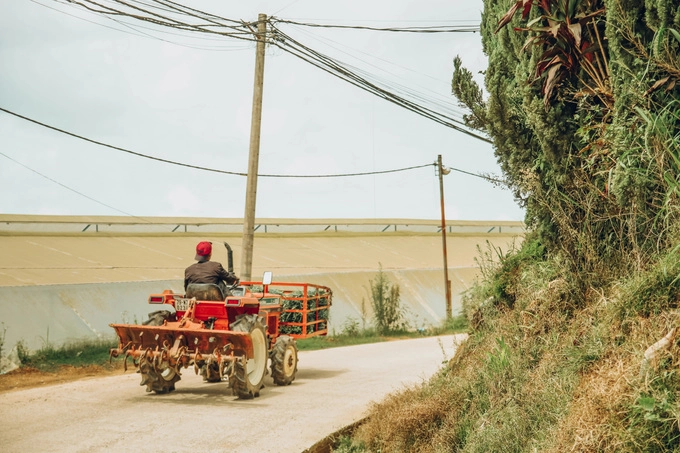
{"x":306,"y":308}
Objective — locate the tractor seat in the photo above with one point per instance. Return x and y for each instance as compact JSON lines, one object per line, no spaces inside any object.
{"x":204,"y":291}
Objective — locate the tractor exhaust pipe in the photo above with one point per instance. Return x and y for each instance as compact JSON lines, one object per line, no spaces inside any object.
{"x":230,"y":258}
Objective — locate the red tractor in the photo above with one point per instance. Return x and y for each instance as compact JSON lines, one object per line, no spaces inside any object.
{"x":226,"y":337}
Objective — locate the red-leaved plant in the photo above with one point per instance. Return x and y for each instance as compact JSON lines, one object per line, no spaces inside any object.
{"x":569,"y":34}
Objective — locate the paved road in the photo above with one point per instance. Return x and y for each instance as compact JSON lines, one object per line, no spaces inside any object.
{"x":333,"y":389}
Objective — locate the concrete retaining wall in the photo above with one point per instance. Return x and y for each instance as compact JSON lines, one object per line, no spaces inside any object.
{"x":55,"y":314}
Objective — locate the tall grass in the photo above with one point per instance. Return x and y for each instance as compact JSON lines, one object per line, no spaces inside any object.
{"x":541,"y":373}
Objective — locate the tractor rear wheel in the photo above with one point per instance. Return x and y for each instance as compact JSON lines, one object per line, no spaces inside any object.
{"x":284,"y":357}
{"x":249,"y":372}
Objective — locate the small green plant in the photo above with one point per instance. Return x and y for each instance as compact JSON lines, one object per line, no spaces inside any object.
{"x":654,"y":414}
{"x":364,"y":314}
{"x":386,"y":302}
{"x":346,"y":445}
{"x":456,"y":324}
{"x":23,"y":352}
{"x":498,"y":361}
{"x":3,"y":333}
{"x":350,"y":327}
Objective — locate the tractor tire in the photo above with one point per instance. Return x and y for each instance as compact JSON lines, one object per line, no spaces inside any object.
{"x":158,"y":380}
{"x":211,"y":372}
{"x":157,"y":318}
{"x":249,"y":373}
{"x":284,"y":357}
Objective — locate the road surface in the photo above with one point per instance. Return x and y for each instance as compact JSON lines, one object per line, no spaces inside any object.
{"x":333,"y":389}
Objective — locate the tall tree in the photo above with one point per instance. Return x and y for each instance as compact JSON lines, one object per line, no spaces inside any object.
{"x":583,"y":109}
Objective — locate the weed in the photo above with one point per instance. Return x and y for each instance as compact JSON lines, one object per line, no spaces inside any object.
{"x":3,"y":333}
{"x":655,"y":412}
{"x":386,"y":303}
{"x":23,"y":352}
{"x":653,"y":291}
{"x":456,"y":324}
{"x":498,"y":361}
{"x":76,"y":353}
{"x":346,"y":445}
{"x":350,"y":327}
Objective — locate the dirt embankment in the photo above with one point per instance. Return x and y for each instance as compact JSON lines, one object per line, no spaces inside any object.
{"x":27,"y":377}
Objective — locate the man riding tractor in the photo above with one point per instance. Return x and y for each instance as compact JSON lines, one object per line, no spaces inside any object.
{"x":200,"y":277}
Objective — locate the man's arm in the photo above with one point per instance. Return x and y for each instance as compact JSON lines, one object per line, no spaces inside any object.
{"x":227,"y":276}
{"x":186,"y":279}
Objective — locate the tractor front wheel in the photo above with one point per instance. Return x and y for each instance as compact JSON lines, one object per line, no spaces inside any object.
{"x":284,"y":357}
{"x":249,"y":372}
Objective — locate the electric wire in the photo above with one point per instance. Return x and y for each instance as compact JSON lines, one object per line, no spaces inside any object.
{"x":214,"y":170}
{"x":434,"y":29}
{"x":286,"y":43}
{"x":263,"y":175}
{"x":438,"y":100}
{"x":73,"y":190}
{"x":117,"y":148}
{"x":292,"y":46}
{"x":136,"y":30}
{"x":497,"y":181}
{"x":243,"y":31}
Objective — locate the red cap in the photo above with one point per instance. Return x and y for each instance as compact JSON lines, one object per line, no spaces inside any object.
{"x":203,"y":249}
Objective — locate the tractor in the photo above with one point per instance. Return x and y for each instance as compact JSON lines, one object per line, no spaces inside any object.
{"x":225,"y":337}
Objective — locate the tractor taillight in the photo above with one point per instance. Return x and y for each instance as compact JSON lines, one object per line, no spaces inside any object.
{"x":233,"y":302}
{"x":156,"y":299}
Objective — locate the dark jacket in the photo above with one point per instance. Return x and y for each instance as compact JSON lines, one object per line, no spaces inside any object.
{"x":208,"y":272}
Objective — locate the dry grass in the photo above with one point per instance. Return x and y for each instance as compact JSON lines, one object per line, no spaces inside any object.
{"x":588,"y":424}
{"x":544,"y":375}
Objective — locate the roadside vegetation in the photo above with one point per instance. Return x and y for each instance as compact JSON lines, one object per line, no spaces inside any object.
{"x":573,"y":342}
{"x":388,"y":322}
{"x":75,"y":353}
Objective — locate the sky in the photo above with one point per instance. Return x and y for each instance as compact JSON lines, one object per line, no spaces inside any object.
{"x":187,"y":98}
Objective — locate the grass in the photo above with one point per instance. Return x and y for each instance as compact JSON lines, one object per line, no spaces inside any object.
{"x":353,"y":335}
{"x":87,"y":352}
{"x":540,"y":372}
{"x":77,"y":353}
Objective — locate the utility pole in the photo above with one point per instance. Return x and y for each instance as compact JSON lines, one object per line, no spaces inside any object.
{"x":447,"y":282}
{"x":254,"y":156}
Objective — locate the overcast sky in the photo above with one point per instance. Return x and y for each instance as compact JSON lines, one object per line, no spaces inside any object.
{"x":188,"y":99}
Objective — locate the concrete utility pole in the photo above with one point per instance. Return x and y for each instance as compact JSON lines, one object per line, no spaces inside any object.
{"x":447,"y":282}
{"x":256,"y":122}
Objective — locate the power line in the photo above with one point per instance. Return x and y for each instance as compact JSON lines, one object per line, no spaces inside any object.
{"x":73,"y":190}
{"x":332,"y":66}
{"x":214,"y":170}
{"x":435,"y":97}
{"x":212,"y":23}
{"x":497,"y":181}
{"x":136,"y":30}
{"x":368,"y":173}
{"x":117,"y":148}
{"x":432,"y":29}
